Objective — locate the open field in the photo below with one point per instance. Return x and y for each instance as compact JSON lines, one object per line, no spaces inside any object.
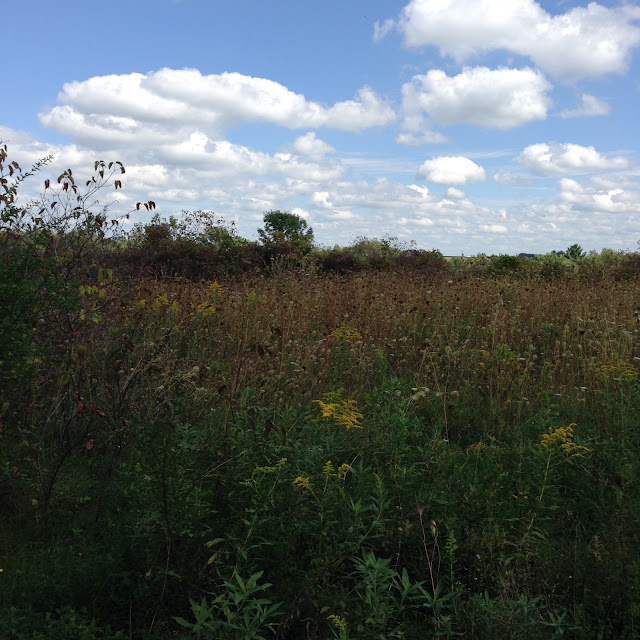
{"x":380,"y":454}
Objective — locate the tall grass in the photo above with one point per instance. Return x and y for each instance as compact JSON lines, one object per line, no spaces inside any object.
{"x":175,"y":471}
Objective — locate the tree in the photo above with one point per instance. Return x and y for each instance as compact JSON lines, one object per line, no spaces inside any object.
{"x":575,"y":252}
{"x":287,"y":228}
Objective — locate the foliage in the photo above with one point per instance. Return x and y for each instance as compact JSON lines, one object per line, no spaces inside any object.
{"x":198,"y":245}
{"x":285,"y":228}
{"x":575,"y":252}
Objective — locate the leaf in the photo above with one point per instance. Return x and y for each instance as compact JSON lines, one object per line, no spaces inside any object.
{"x":183,"y":623}
{"x":215,"y":541}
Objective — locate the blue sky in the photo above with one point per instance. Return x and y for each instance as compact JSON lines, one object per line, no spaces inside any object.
{"x":495,"y":126}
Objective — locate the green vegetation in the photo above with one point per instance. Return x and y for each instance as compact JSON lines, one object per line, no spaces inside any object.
{"x":201,"y":439}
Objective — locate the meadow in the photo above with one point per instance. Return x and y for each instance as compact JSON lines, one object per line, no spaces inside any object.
{"x":366,"y":443}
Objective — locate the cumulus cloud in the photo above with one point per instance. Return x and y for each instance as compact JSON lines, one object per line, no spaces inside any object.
{"x":451,"y":170}
{"x":456,"y":194}
{"x":493,"y":98}
{"x":590,"y":106}
{"x":309,"y":145}
{"x":558,"y":159}
{"x":160,"y":102}
{"x":583,"y":42}
{"x":599,"y":201}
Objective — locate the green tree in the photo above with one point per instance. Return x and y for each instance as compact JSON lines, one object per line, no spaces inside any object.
{"x":575,"y":252}
{"x":288,"y":228}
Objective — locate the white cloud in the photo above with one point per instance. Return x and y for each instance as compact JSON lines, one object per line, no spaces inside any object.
{"x":558,"y":159}
{"x":590,"y":106}
{"x":494,"y":98}
{"x":161,"y":103}
{"x":583,"y":42}
{"x":599,"y":201}
{"x":493,"y":228}
{"x":502,"y":176}
{"x":425,"y":137}
{"x":451,"y":170}
{"x":380,"y":30}
{"x":309,"y":145}
{"x":455,"y":194}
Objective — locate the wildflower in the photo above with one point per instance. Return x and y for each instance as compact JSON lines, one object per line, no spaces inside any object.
{"x":345,"y":334}
{"x":264,"y":470}
{"x":206,"y":308}
{"x":451,"y":546}
{"x":161,"y":301}
{"x":273,"y":469}
{"x":619,"y":371}
{"x":327,"y":470}
{"x":342,"y":470}
{"x":343,"y":413}
{"x":562,"y":438}
{"x":303,"y":483}
{"x":214,"y":290}
{"x":338,"y":623}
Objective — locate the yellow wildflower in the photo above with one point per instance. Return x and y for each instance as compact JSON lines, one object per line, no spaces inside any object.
{"x":338,"y":623}
{"x":342,"y":412}
{"x":161,"y":301}
{"x":345,"y":334}
{"x":327,"y":470}
{"x":342,"y":470}
{"x":562,"y":438}
{"x":277,"y":467}
{"x":619,"y":370}
{"x":206,"y":308}
{"x":303,"y":483}
{"x":214,"y":290}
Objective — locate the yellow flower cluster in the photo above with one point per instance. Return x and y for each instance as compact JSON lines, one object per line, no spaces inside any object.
{"x":162,"y":301}
{"x":562,"y":438}
{"x":208,"y":307}
{"x":342,"y":412}
{"x":345,"y":334}
{"x":277,"y":467}
{"x":328,"y":471}
{"x":303,"y":483}
{"x":619,"y":371}
{"x":338,"y":623}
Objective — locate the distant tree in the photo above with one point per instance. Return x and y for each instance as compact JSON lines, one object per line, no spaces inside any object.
{"x":288,"y":228}
{"x":575,"y":252}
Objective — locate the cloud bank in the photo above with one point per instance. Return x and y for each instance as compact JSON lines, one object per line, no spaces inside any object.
{"x":583,"y":42}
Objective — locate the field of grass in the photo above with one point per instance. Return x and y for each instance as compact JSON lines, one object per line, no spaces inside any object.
{"x":381,"y":454}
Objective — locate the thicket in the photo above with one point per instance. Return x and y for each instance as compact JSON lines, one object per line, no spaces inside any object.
{"x":409,"y":447}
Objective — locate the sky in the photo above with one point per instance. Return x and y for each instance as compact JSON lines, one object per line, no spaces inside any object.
{"x":468,"y":126}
